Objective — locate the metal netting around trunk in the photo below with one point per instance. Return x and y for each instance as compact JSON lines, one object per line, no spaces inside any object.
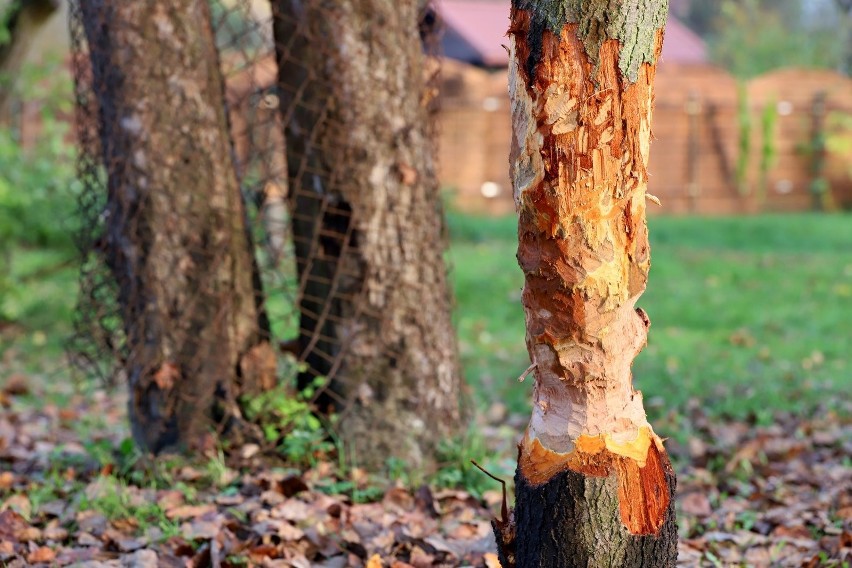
{"x":247,"y":65}
{"x":217,"y":254}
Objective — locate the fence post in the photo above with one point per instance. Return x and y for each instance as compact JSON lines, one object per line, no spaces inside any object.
{"x":693,"y":187}
{"x":819,"y":184}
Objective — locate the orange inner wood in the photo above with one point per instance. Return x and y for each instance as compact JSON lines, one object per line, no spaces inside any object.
{"x":643,"y":493}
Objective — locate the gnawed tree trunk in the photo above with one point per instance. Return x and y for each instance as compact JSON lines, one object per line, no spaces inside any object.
{"x":175,"y":236}
{"x":367,"y":224}
{"x":594,"y":485}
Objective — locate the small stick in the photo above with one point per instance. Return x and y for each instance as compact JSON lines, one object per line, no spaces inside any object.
{"x":504,"y":509}
{"x":527,"y":372}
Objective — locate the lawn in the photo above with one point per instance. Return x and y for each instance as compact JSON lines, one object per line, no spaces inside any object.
{"x":749,"y":315}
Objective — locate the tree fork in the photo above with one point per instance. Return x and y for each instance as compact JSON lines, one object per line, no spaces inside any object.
{"x":594,"y":486}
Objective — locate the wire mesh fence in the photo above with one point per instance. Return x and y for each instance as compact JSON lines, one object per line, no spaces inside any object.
{"x":187,"y":276}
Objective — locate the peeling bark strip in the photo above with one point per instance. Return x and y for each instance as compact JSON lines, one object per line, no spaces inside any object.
{"x":175,"y":238}
{"x":594,"y":484}
{"x":633,"y":23}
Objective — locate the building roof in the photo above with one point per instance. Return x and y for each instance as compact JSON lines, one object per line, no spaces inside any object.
{"x":475,"y":32}
{"x":682,"y":45}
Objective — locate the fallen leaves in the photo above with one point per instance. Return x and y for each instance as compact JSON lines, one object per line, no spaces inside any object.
{"x":41,"y":554}
{"x":771,"y":496}
{"x":774,"y":496}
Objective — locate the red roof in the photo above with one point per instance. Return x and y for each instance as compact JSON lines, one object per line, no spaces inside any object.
{"x":682,"y":45}
{"x":475,"y":31}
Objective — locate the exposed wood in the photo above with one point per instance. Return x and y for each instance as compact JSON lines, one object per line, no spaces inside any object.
{"x":594,"y":484}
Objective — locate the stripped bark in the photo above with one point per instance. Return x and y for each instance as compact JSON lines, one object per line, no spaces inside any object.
{"x":594,"y":484}
{"x":367,"y":225}
{"x":175,"y":236}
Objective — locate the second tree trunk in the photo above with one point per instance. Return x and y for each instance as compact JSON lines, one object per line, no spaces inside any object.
{"x":367,"y":224}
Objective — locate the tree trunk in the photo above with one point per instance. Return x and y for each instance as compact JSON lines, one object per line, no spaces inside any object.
{"x":594,"y":484}
{"x":367,"y":224}
{"x":175,"y":236}
{"x":21,"y":20}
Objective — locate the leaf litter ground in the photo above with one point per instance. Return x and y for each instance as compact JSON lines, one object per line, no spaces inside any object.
{"x":778,"y":495}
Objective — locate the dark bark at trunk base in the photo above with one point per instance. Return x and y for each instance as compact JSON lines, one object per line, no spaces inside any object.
{"x":573,"y":520}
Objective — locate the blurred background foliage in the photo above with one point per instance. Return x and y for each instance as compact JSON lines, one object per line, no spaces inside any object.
{"x":750,"y":37}
{"x":37,"y":191}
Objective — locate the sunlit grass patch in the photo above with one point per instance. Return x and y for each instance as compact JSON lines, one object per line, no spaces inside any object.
{"x":749,"y":315}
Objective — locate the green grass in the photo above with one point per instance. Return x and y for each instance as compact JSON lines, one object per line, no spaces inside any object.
{"x":41,"y":305}
{"x":749,"y":315}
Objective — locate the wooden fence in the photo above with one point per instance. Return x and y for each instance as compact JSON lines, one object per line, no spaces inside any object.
{"x":719,"y":147}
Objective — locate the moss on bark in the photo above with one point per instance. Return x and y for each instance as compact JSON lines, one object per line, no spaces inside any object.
{"x":633,"y":23}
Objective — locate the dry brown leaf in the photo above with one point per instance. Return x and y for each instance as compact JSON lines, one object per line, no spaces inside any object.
{"x":375,"y":561}
{"x":696,"y":504}
{"x":11,"y":523}
{"x":491,"y":560}
{"x":19,"y":503}
{"x":464,"y":531}
{"x":16,"y":385}
{"x":41,"y":554}
{"x":166,"y":376}
{"x":281,"y":529}
{"x":792,"y":531}
{"x":295,"y":561}
{"x":142,"y":559}
{"x":291,"y":485}
{"x":419,"y":558}
{"x":201,"y":529}
{"x":189,"y":511}
{"x":189,"y":473}
{"x":87,"y":539}
{"x":170,"y":499}
{"x":55,"y":533}
{"x":292,"y":510}
{"x":30,"y":534}
{"x":262,"y":552}
{"x":398,"y":498}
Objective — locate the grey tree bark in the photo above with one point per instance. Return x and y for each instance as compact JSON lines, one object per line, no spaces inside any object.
{"x":367,"y":224}
{"x":175,"y":236}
